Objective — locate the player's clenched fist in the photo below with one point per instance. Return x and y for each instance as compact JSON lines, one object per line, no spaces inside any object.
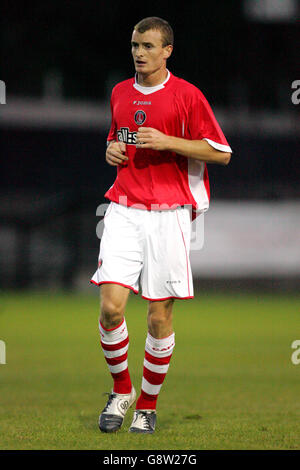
{"x":115,"y":154}
{"x":150,"y":138}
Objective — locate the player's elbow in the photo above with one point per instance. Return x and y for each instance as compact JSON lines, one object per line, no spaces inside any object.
{"x":226,"y":157}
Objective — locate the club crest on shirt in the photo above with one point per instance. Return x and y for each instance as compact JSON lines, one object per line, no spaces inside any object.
{"x":140,"y":117}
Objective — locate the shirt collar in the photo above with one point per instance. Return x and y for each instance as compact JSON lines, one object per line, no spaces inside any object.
{"x":146,"y":90}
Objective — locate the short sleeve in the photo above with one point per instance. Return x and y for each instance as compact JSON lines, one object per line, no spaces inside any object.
{"x":203,"y":124}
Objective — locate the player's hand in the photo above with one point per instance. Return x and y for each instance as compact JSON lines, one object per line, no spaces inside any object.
{"x":115,"y":154}
{"x":149,"y":138}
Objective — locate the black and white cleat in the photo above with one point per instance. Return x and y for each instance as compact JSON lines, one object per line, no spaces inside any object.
{"x":143,"y":422}
{"x":112,"y":416}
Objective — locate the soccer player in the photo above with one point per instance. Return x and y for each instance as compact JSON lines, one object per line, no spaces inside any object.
{"x":163,"y":132}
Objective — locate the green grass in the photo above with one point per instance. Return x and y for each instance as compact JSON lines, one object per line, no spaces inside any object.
{"x":231,"y":383}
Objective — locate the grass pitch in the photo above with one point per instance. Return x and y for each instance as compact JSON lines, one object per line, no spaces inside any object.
{"x":231,"y":383}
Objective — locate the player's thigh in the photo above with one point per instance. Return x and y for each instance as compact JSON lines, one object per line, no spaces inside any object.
{"x":167,"y":271}
{"x":121,"y":250}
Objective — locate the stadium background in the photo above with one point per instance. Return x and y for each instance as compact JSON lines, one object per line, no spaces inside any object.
{"x":59,"y":61}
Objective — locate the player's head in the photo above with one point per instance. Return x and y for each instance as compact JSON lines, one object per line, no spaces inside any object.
{"x":151,"y":44}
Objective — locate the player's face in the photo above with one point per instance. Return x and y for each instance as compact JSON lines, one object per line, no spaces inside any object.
{"x":148,"y":52}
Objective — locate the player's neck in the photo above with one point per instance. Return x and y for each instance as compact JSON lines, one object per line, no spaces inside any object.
{"x":152,"y":79}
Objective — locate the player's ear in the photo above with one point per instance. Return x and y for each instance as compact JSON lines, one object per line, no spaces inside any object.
{"x":168,"y":51}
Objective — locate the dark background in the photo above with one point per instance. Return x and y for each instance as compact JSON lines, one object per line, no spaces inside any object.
{"x":54,"y":175}
{"x":216,"y":48}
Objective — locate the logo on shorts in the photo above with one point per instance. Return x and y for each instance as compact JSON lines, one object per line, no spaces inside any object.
{"x":100,"y":263}
{"x":140,"y":117}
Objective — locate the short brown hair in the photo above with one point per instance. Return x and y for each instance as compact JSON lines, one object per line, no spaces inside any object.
{"x":153,"y":22}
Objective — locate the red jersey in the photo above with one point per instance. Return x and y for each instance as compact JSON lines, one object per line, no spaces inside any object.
{"x":153,"y":179}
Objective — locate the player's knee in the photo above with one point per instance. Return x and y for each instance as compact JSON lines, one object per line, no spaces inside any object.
{"x":111,"y":314}
{"x":157,"y":318}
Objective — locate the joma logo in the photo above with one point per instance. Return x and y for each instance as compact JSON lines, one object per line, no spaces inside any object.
{"x":141,"y":102}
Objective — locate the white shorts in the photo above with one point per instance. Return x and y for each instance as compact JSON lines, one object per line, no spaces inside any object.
{"x":147,"y":248}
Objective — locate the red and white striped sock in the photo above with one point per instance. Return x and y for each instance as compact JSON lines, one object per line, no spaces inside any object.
{"x":115,"y":343}
{"x":158,"y":353}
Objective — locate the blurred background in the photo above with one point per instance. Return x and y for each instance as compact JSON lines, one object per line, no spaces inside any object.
{"x":59,"y":62}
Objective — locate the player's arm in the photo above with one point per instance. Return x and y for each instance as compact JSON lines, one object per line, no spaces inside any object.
{"x":115,"y":153}
{"x":198,"y":149}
